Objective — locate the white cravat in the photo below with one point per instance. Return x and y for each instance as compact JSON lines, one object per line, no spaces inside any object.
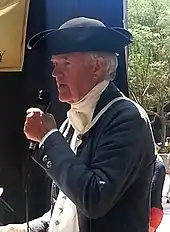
{"x":81,"y":112}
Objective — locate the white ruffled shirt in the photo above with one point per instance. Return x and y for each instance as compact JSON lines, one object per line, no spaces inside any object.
{"x":64,"y":217}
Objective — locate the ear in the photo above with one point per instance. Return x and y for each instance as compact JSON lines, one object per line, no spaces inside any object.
{"x":98,"y":68}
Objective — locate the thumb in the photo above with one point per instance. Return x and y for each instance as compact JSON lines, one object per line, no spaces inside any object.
{"x":50,"y":116}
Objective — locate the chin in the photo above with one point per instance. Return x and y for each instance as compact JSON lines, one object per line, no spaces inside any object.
{"x":65,"y":99}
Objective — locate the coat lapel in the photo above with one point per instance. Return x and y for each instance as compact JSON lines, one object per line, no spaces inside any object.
{"x":110,"y":93}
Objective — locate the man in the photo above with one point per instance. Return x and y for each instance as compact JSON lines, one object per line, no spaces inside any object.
{"x":156,"y":212}
{"x":102,"y":157}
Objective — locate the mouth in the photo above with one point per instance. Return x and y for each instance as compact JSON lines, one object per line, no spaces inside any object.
{"x":60,"y":86}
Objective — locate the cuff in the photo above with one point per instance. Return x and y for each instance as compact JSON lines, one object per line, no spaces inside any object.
{"x":46,"y":136}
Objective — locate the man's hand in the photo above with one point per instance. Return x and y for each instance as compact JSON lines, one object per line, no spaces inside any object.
{"x":38,"y":124}
{"x":13,"y":228}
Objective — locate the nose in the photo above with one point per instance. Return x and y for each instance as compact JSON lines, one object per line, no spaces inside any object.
{"x":58,"y":75}
{"x":54,"y":72}
{"x":57,"y":71}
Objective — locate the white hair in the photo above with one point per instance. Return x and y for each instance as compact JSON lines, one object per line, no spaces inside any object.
{"x":110,"y":62}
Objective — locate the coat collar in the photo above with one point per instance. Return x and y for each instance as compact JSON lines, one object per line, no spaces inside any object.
{"x":108,"y":95}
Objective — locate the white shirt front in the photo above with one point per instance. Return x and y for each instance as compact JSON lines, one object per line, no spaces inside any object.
{"x":64,"y":217}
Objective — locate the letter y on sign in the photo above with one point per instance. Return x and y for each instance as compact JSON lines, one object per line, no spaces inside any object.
{"x":1,"y":55}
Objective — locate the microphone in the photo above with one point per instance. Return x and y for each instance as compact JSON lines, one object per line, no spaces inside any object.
{"x":43,"y":103}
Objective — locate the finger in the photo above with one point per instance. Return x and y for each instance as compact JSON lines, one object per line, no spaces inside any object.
{"x":31,"y":123}
{"x":50,"y":116}
{"x":32,"y":109}
{"x":27,"y":129}
{"x":34,"y":115}
{"x":27,"y":132}
{"x":29,"y":115}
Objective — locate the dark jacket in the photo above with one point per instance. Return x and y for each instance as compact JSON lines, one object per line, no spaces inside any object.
{"x":157,"y":184}
{"x":110,"y":178}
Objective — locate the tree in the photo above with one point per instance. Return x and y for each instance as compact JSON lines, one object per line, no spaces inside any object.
{"x":149,"y":57}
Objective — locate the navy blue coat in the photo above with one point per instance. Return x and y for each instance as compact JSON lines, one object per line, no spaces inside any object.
{"x":117,"y":151}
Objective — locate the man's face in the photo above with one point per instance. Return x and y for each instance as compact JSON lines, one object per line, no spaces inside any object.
{"x":75,"y":76}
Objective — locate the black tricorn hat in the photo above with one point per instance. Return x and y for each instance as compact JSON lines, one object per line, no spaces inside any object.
{"x":81,"y":35}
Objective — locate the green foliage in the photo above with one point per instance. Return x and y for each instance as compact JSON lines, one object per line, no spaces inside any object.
{"x":149,"y":56}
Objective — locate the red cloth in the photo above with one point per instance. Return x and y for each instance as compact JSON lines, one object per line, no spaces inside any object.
{"x":156,"y":216}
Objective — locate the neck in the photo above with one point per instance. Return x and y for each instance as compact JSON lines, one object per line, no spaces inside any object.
{"x":81,"y":112}
{"x":96,"y":90}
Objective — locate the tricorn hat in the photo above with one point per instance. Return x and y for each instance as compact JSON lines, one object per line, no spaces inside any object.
{"x":81,"y":35}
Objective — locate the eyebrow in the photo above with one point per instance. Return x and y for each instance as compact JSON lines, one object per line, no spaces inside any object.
{"x":66,"y":56}
{"x":55,"y":59}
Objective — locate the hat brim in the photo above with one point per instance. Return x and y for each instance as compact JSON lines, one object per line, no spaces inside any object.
{"x":81,"y":39}
{"x":1,"y":191}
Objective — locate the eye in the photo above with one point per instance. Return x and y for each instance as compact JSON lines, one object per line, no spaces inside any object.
{"x":53,"y":64}
{"x":66,"y":62}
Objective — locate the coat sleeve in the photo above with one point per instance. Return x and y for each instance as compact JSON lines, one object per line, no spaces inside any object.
{"x":113,"y":169}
